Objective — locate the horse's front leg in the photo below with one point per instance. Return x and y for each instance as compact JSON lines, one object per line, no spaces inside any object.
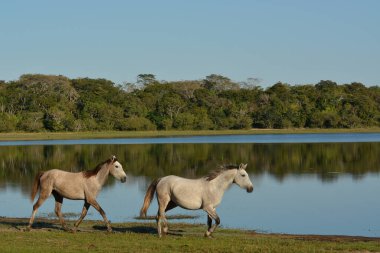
{"x":209,"y":222}
{"x":86,"y":206}
{"x":95,"y":204}
{"x":212,"y":215}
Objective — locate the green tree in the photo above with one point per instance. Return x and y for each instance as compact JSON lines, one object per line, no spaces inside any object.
{"x":38,"y":102}
{"x":135,"y":123}
{"x":54,"y":120}
{"x":184,"y":121}
{"x":146,"y":80}
{"x":187,"y":88}
{"x":219,"y":83}
{"x":135,"y":107}
{"x":325,"y":119}
{"x":171,"y":105}
{"x":201,"y":119}
{"x":8,"y":122}
{"x":31,"y":122}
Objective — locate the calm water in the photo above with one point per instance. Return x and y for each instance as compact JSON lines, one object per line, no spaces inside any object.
{"x":307,"y":183}
{"x":260,"y":138}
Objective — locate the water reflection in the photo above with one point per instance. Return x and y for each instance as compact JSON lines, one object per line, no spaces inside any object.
{"x":19,"y":164}
{"x":313,"y":188}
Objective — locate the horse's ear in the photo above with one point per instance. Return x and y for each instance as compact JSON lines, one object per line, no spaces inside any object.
{"x":113,"y":159}
{"x":242,"y":166}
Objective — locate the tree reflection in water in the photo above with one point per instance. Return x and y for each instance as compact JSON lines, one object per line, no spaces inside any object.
{"x":19,"y":164}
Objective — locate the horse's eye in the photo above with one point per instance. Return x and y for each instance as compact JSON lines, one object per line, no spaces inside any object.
{"x":243,"y":175}
{"x":117,"y":166}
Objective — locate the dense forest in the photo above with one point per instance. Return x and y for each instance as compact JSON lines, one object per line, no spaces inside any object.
{"x":38,"y":102}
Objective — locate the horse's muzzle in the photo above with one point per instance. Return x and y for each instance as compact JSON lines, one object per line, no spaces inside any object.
{"x":123,"y":179}
{"x":250,"y":189}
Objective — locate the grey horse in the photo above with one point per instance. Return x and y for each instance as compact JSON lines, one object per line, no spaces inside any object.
{"x":204,"y":193}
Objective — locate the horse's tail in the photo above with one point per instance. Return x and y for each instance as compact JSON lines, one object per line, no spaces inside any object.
{"x":36,"y":185}
{"x":149,"y":197}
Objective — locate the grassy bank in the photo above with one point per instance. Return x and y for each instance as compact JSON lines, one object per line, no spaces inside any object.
{"x":141,"y":237}
{"x":139,"y":134}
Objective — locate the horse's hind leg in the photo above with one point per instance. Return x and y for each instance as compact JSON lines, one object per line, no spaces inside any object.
{"x":162,"y":206}
{"x":95,"y":204}
{"x":86,"y":206}
{"x":170,"y":206}
{"x":41,"y":199}
{"x":58,"y":205}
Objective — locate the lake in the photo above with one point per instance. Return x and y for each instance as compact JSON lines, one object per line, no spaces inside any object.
{"x":304,"y":183}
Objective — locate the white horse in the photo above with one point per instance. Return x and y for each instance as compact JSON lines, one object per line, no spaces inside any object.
{"x":84,"y":185}
{"x":204,"y":193}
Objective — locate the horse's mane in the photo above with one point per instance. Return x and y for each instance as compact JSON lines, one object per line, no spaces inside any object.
{"x":215,"y":173}
{"x":95,"y":171}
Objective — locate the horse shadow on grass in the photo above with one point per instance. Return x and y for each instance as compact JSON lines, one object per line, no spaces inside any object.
{"x":138,"y":229}
{"x":22,"y":225}
{"x":54,"y":225}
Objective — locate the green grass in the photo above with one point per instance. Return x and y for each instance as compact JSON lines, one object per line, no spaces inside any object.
{"x":141,"y":237}
{"x":139,"y":134}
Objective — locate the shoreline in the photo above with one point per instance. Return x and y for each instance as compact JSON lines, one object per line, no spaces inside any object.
{"x":8,"y":224}
{"x":92,"y":236}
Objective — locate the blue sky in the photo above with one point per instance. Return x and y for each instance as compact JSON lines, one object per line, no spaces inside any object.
{"x":293,"y":41}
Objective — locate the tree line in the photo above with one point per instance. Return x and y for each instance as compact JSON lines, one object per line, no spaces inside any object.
{"x":37,"y":102}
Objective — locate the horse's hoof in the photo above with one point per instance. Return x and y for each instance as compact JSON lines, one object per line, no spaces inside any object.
{"x":208,"y":235}
{"x":109,"y":230}
{"x":27,"y":229}
{"x":66,"y":229}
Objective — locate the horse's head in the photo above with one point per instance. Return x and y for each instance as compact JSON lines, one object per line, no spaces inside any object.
{"x":116,"y":169}
{"x":242,"y":178}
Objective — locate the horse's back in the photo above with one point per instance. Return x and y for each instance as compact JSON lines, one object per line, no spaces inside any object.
{"x":176,"y":181}
{"x":68,"y":184}
{"x":61,"y":174}
{"x":185,"y":192}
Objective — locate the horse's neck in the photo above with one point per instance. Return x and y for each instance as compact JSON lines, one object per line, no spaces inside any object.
{"x":223,"y":181}
{"x":103,"y":174}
